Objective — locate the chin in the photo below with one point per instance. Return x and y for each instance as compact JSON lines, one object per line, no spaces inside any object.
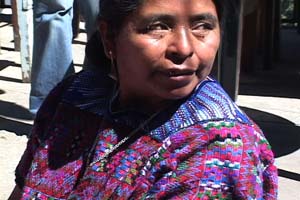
{"x":181,"y":93}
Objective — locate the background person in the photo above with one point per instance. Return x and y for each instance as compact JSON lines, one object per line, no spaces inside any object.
{"x":156,"y":126}
{"x":52,"y":58}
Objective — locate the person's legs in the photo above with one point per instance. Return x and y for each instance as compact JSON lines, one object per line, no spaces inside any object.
{"x":89,"y":9}
{"x":52,"y":48}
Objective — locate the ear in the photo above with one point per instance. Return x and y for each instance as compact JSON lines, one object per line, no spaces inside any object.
{"x":107,"y":41}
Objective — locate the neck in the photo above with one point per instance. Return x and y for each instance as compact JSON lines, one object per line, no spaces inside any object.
{"x":144,"y":105}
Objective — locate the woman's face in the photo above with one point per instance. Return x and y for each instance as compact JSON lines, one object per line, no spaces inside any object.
{"x":165,"y":49}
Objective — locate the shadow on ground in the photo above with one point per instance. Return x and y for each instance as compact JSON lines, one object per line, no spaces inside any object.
{"x":7,"y":63}
{"x":290,"y":175}
{"x":5,"y":18}
{"x":19,"y":128}
{"x":7,"y":48}
{"x":12,"y":110}
{"x":16,"y":80}
{"x":10,"y":114}
{"x":282,"y":134}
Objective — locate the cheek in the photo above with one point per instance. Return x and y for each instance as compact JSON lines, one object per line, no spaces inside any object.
{"x":124,"y":51}
{"x":139,"y":48}
{"x":208,"y":50}
{"x":147,"y":56}
{"x":150,"y":50}
{"x":206,"y":54}
{"x":213,"y":42}
{"x":137,"y":59}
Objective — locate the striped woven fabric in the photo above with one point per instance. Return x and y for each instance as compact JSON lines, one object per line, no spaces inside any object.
{"x":203,"y":147}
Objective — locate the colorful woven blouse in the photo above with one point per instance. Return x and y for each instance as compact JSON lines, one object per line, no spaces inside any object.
{"x":202,"y":147}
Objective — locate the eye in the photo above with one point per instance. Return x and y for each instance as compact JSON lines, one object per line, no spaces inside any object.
{"x":201,"y":29}
{"x":156,"y":29}
{"x":157,"y":26}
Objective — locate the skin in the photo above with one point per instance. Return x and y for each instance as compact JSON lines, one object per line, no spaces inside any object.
{"x":164,"y":50}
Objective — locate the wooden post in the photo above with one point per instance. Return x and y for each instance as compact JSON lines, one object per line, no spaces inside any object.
{"x":269,"y":32}
{"x":230,"y":51}
{"x":277,"y":26}
{"x":249,"y":57}
{"x":16,"y":31}
{"x":297,"y":8}
{"x":25,"y":22}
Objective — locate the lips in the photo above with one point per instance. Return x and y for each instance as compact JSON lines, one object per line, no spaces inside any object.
{"x":175,"y":73}
{"x":177,"y":77}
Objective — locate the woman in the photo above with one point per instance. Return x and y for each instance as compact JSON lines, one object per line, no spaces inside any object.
{"x":155,"y":126}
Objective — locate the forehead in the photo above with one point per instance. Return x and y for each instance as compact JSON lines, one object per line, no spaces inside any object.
{"x":180,"y":7}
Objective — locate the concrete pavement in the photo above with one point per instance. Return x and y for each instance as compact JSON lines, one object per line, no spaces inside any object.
{"x":271,"y":98}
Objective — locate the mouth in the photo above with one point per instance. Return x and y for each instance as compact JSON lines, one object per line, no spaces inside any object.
{"x":175,"y":72}
{"x":178,"y":73}
{"x":178,"y":77}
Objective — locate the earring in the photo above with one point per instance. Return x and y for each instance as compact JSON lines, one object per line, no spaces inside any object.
{"x":113,"y":69}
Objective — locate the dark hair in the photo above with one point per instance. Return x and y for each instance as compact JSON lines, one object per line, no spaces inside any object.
{"x":114,"y":12}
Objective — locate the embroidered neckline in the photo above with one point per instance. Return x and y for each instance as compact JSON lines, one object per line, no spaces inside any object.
{"x":104,"y":158}
{"x":92,"y":92}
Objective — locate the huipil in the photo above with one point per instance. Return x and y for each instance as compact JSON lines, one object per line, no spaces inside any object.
{"x":201,"y":147}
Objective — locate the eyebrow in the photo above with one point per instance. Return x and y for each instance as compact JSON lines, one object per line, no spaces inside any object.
{"x":206,"y":17}
{"x":170,"y":18}
{"x":157,"y":17}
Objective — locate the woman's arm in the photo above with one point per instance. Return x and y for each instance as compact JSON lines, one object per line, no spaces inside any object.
{"x":258,"y":175}
{"x":16,"y":194}
{"x":233,"y":163}
{"x":41,"y":124}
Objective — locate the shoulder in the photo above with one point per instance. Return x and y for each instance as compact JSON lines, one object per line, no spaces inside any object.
{"x":221,"y":141}
{"x":71,"y":100}
{"x":90,"y":91}
{"x":208,"y":103}
{"x":215,"y":103}
{"x":225,"y":131}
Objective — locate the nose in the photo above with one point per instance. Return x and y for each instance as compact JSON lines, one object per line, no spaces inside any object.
{"x":180,"y":47}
